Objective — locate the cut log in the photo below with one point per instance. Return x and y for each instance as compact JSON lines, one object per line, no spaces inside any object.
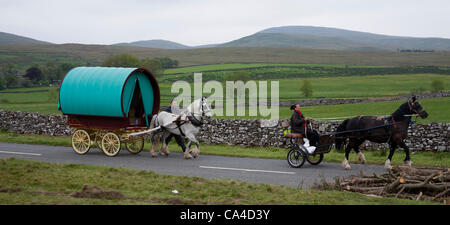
{"x":403,"y":182}
{"x":425,"y":186}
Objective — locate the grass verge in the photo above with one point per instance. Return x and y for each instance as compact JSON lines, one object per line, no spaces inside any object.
{"x":438,"y":159}
{"x":29,"y":182}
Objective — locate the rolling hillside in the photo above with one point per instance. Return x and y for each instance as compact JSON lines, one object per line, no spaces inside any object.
{"x":298,"y":41}
{"x":7,"y":38}
{"x":25,"y":55}
{"x":294,"y":44}
{"x":336,"y":39}
{"x":155,"y":44}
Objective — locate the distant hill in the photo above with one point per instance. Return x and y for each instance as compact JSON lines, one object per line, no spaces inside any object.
{"x":305,"y":37}
{"x":7,"y":38}
{"x":298,"y":41}
{"x":334,"y":39}
{"x":163,"y":44}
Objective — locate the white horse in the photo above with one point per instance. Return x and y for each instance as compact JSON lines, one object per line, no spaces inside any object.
{"x":186,"y":124}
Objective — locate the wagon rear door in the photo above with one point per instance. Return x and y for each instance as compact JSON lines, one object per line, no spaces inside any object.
{"x":147,"y":94}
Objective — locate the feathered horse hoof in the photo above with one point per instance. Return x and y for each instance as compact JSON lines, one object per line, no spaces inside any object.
{"x":196,"y":153}
{"x":188,"y":156}
{"x":361,"y":157}
{"x":407,"y":163}
{"x":387,"y":164}
{"x":346,"y":165}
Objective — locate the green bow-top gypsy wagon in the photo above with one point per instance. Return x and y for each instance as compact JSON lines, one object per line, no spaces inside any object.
{"x":105,"y":105}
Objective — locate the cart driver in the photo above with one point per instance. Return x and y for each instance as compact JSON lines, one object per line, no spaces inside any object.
{"x":299,"y":125}
{"x":174,"y":109}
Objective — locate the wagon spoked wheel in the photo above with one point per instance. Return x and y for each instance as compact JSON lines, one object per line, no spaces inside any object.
{"x":295,"y":158}
{"x":135,"y":145}
{"x":111,"y":144}
{"x":315,"y":159}
{"x":81,"y":142}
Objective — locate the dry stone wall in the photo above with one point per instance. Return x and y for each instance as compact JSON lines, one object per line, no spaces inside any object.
{"x":34,"y":123}
{"x":244,"y":132}
{"x":421,"y":137}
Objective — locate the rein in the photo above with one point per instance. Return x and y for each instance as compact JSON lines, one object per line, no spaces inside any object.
{"x":196,"y":122}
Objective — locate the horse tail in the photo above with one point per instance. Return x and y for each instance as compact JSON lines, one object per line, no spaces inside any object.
{"x":341,"y":139}
{"x":153,"y":124}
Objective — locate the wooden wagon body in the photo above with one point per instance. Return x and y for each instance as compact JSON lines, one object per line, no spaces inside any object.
{"x":104,"y":105}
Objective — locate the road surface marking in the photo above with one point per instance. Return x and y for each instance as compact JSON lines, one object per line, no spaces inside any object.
{"x":20,"y":153}
{"x":247,"y":170}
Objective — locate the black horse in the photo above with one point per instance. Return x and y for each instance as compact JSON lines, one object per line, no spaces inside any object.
{"x":392,"y":130}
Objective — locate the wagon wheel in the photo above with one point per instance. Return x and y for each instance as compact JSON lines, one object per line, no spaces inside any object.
{"x":295,"y":158}
{"x":135,"y":144}
{"x":81,"y":142}
{"x":315,"y":159}
{"x":111,"y":144}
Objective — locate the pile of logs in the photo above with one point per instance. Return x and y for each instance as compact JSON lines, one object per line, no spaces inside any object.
{"x":417,"y":183}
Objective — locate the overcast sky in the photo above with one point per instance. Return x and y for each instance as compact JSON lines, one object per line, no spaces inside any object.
{"x":198,"y":22}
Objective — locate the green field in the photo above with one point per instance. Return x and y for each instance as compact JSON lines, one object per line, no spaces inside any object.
{"x":240,"y":66}
{"x":349,"y":86}
{"x":220,"y":72}
{"x":29,"y":182}
{"x":42,"y":102}
{"x":361,"y":87}
{"x":437,"y":109}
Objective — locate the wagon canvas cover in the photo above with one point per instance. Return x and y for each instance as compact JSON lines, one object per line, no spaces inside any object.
{"x":107,"y":92}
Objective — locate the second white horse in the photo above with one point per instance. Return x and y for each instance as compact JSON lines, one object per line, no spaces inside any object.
{"x":186,"y":124}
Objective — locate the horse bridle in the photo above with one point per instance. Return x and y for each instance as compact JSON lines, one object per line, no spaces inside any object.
{"x":413,"y":110}
{"x":197,"y":121}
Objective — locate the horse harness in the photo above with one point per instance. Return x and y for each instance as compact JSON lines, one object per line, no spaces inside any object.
{"x":194,"y":121}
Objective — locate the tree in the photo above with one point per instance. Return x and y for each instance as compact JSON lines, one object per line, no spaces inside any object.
{"x":11,"y":80}
{"x":437,"y":85}
{"x":33,"y":74}
{"x":64,"y":68}
{"x":50,"y":71}
{"x":7,"y":69}
{"x":306,"y":88}
{"x":153,"y":65}
{"x":122,"y":60}
{"x":167,"y":62}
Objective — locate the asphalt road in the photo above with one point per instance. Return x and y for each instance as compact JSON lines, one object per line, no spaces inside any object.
{"x":269,"y":171}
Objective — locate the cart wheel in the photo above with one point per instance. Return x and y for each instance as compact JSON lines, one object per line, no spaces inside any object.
{"x":111,"y":144}
{"x":135,"y":145}
{"x":295,"y":158}
{"x":315,"y":159}
{"x":81,"y":142}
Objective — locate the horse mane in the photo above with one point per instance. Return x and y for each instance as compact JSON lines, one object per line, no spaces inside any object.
{"x":402,"y":110}
{"x":192,"y":105}
{"x":342,"y":127}
{"x":340,"y":138}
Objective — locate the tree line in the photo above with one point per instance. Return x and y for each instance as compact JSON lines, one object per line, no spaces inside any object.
{"x":155,"y":65}
{"x":36,"y":75}
{"x":53,"y":73}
